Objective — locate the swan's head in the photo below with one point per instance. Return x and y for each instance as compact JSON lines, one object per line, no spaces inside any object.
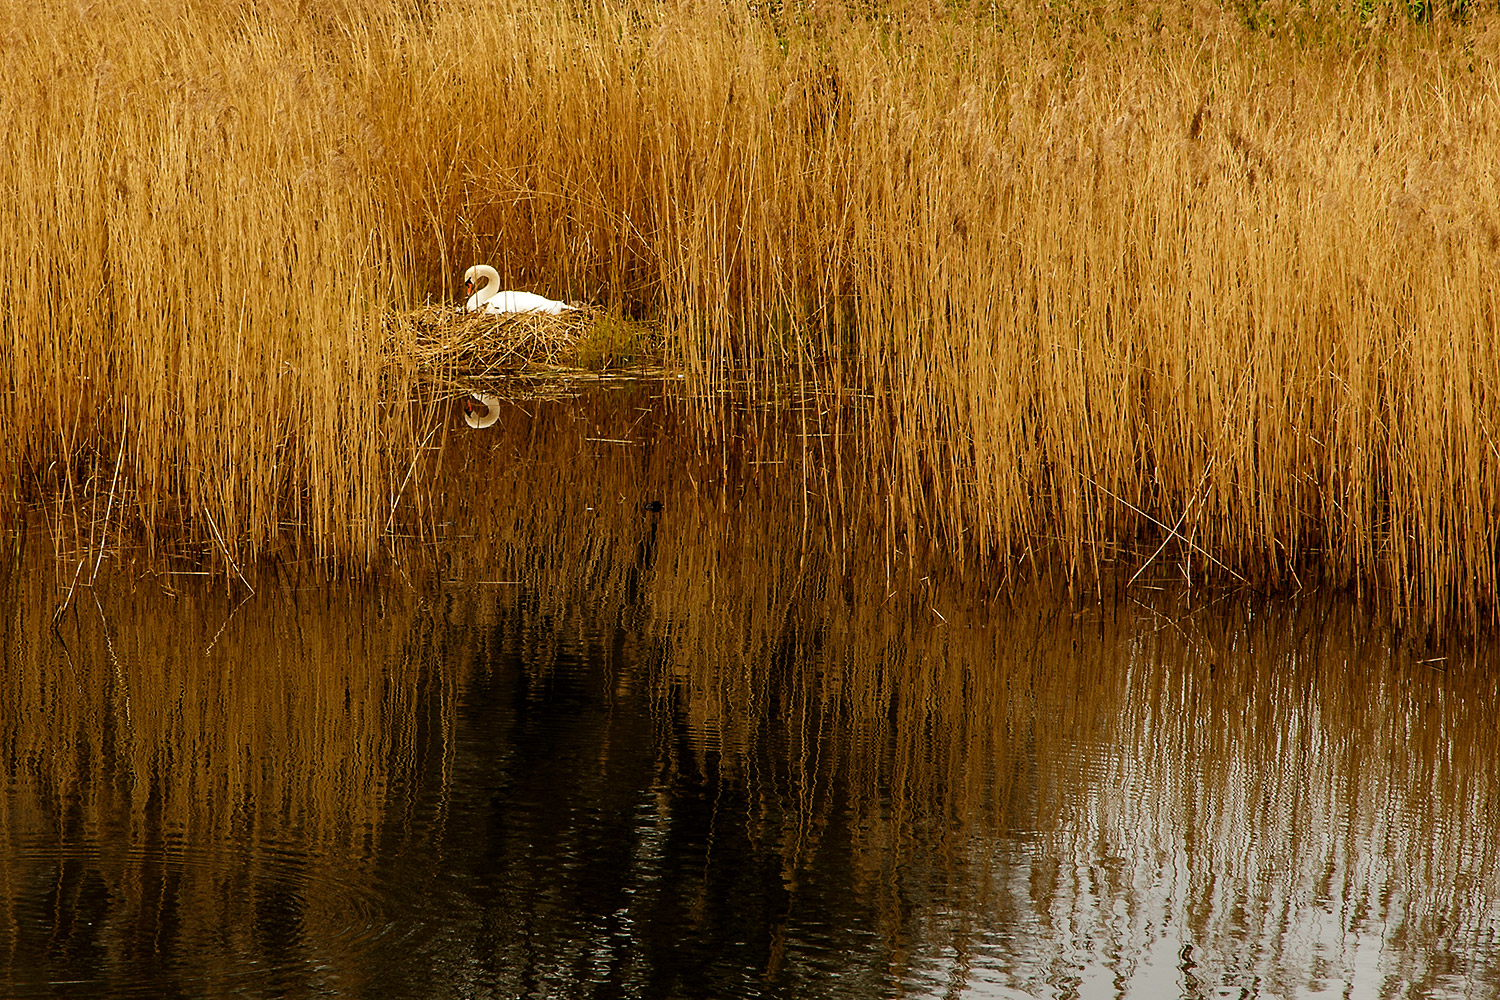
{"x":481,"y":411}
{"x":479,"y":271}
{"x":472,"y":278}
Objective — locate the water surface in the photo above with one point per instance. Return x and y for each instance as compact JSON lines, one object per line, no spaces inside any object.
{"x":642,"y":721}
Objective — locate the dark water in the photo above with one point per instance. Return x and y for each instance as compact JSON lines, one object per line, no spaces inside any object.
{"x":580,"y":746}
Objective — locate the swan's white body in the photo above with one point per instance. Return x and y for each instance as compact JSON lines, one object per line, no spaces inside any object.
{"x":491,"y":299}
{"x":472,"y":416}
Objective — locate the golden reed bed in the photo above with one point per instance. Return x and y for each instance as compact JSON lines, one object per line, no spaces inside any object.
{"x":1117,"y":274}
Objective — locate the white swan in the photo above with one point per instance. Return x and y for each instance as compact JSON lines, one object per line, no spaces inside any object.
{"x":492,"y":300}
{"x":472,"y":415}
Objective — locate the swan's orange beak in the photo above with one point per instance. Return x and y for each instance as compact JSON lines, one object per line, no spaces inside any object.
{"x":469,"y":285}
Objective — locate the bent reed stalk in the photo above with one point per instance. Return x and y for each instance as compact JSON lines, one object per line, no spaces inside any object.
{"x":1113,"y":273}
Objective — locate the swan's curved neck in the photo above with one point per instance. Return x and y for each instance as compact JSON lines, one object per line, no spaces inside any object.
{"x":491,"y":279}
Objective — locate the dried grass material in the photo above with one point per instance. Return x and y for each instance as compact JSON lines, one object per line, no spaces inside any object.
{"x":448,"y":346}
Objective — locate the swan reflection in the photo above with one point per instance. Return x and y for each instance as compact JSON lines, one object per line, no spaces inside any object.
{"x":481,"y":410}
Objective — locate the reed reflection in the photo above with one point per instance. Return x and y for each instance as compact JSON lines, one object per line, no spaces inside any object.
{"x":1161,"y":788}
{"x":196,"y":780}
{"x":656,"y":716}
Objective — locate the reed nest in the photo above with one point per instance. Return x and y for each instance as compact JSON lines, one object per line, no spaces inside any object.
{"x":448,"y":343}
{"x":518,"y":355}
